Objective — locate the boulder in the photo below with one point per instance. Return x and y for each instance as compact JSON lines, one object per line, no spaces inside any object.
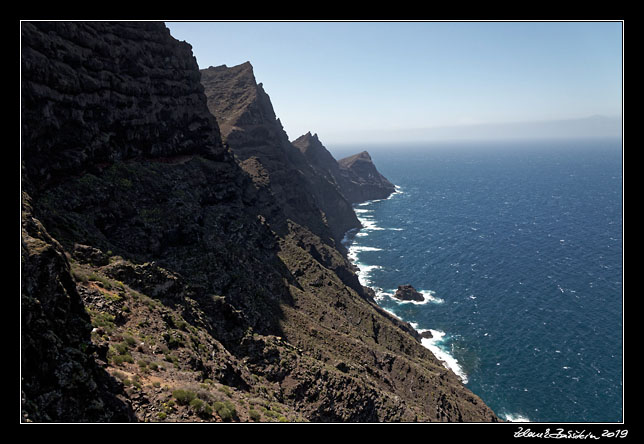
{"x":408,"y":293}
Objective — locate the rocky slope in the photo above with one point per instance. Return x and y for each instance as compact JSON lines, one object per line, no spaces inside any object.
{"x":356,"y":177}
{"x":164,"y":279}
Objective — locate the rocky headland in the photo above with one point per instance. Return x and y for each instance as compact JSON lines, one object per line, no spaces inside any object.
{"x":356,"y":177}
{"x":180,"y":258}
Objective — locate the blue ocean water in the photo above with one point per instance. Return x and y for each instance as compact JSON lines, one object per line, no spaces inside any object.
{"x":517,"y":247}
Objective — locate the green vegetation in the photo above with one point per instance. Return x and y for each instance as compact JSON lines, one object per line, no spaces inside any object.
{"x":225,"y":390}
{"x":226,"y":410}
{"x":120,"y":353}
{"x":254,"y":415}
{"x":184,"y":397}
{"x":120,"y":359}
{"x":129,"y":340}
{"x":201,"y":408}
{"x":103,"y":320}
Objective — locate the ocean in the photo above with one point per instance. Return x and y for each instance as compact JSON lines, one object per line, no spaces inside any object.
{"x":518,"y":250}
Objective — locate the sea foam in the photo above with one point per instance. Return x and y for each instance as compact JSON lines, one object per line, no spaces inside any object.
{"x":355,"y":249}
{"x":512,"y":417}
{"x":364,"y":273}
{"x":428,"y":295}
{"x":449,"y":361}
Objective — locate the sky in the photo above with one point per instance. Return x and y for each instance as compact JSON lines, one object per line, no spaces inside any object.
{"x":362,"y":81}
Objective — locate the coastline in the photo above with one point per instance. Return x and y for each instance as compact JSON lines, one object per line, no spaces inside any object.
{"x":434,"y":344}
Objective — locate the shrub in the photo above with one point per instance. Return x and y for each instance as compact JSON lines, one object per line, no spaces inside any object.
{"x":120,"y":359}
{"x":254,"y":415}
{"x":105,"y":282}
{"x":201,"y":408}
{"x":104,"y":320}
{"x":225,"y":390}
{"x":121,"y":348}
{"x":129,"y":340}
{"x":162,"y":415}
{"x":226,"y":410}
{"x":184,"y":397}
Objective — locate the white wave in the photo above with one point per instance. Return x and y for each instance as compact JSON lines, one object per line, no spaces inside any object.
{"x":396,"y":229}
{"x":364,"y":273}
{"x":514,"y":417}
{"x":399,"y":190}
{"x":363,"y":210}
{"x":381,"y":294}
{"x":369,"y":224}
{"x":446,"y":359}
{"x":428,"y":296}
{"x":354,"y":250}
{"x":359,"y":248}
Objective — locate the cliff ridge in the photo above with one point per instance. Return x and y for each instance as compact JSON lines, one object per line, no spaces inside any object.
{"x":180,"y":257}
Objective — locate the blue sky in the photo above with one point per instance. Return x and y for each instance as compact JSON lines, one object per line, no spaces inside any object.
{"x":351,"y":81}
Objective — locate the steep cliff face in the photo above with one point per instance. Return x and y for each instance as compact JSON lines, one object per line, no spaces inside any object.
{"x":356,"y":177}
{"x":364,"y":182}
{"x":162,"y":279}
{"x":319,"y":157}
{"x":108,"y":92}
{"x":257,"y":138}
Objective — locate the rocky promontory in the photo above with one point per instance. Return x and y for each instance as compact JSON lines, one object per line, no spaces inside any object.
{"x":179,"y":256}
{"x":356,"y":177}
{"x":364,"y":180}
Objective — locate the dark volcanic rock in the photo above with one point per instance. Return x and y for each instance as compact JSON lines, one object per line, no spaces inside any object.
{"x":356,"y":176}
{"x":154,"y":263}
{"x":408,"y":293}
{"x":364,"y":182}
{"x":60,"y":379}
{"x":99,"y":92}
{"x":249,"y":125}
{"x":319,"y":157}
{"x":426,"y":334}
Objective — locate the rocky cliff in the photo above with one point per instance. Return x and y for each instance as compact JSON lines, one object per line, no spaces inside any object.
{"x":166,"y":279}
{"x":365,"y":182}
{"x":250,"y":127}
{"x":356,"y":177}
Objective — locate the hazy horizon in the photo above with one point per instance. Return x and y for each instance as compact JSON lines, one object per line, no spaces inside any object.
{"x":584,"y":128}
{"x":354,"y":82}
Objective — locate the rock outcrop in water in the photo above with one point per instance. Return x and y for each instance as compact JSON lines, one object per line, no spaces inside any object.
{"x":408,"y":293}
{"x":167,"y":278}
